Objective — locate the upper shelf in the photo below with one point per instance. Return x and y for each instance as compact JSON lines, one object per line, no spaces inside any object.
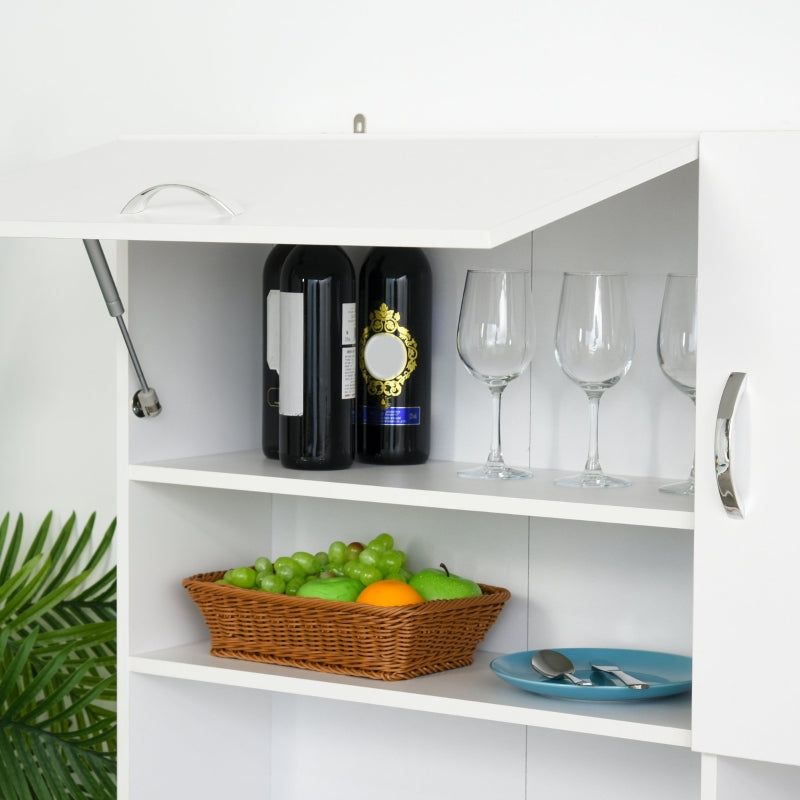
{"x":360,"y":189}
{"x":434,"y":484}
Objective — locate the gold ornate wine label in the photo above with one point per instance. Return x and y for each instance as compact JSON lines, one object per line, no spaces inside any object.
{"x":387,"y":355}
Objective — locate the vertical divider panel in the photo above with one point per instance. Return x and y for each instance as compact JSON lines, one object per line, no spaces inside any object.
{"x":119,"y":267}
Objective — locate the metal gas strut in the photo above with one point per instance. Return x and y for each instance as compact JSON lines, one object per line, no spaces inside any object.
{"x":145,"y":401}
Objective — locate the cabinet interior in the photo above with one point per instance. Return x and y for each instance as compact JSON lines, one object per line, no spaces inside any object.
{"x":195,"y":314}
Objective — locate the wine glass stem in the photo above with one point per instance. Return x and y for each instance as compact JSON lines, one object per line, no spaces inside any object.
{"x":593,"y":459}
{"x":496,"y":452}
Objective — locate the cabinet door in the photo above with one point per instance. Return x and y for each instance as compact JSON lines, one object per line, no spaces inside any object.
{"x":746,"y":698}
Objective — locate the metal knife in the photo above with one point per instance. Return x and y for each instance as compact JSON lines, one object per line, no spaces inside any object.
{"x":628,"y":680}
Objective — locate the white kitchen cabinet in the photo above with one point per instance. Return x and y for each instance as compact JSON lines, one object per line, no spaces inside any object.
{"x":585,"y":569}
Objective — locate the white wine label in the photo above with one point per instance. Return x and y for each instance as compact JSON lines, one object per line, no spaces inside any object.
{"x":274,"y":329}
{"x":348,"y":323}
{"x":291,"y":354}
{"x":348,"y":373}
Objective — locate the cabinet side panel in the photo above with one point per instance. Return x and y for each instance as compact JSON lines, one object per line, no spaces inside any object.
{"x":746,"y":588}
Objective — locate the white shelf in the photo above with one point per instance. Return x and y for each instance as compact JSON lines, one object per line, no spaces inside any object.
{"x":473,"y":692}
{"x":431,"y":485}
{"x":467,"y":192}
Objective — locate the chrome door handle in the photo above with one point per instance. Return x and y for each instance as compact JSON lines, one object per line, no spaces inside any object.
{"x":139,"y":201}
{"x":722,"y":443}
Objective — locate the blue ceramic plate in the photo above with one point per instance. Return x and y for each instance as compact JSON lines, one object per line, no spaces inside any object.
{"x":666,"y":673}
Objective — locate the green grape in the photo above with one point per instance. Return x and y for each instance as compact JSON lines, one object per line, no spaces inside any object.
{"x":308,"y":563}
{"x":333,"y":571}
{"x":353,"y":549}
{"x":294,"y":584}
{"x":369,"y":555}
{"x":337,"y":552}
{"x":263,"y":564}
{"x":401,"y":575}
{"x":391,"y":561}
{"x":368,"y":574}
{"x":223,"y":582}
{"x":288,"y":568}
{"x":351,"y":568}
{"x":383,"y":541}
{"x":243,"y":577}
{"x":272,"y":583}
{"x":322,"y":557}
{"x":263,"y":573}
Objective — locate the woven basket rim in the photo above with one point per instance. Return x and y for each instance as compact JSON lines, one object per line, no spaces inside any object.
{"x":206,"y":580}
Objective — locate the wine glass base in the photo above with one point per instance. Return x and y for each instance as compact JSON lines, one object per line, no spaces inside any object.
{"x":593,"y":480}
{"x":495,"y":472}
{"x":680,"y":487}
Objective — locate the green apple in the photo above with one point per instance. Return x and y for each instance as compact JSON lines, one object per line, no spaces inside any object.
{"x":441,"y":584}
{"x":344,"y":589}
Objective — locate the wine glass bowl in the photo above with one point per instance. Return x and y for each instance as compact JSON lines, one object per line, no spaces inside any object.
{"x":594,"y":346}
{"x":495,"y":343}
{"x":676,"y":348}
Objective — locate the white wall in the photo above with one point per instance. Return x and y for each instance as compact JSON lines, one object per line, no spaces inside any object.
{"x":74,"y":74}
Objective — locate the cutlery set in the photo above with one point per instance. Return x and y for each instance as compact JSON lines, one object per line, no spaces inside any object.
{"x":552,"y":664}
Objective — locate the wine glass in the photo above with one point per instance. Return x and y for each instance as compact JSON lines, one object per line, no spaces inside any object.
{"x":594,"y":347}
{"x":495,"y":342}
{"x":677,"y":348}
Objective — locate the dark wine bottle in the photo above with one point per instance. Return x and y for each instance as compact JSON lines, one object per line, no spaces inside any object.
{"x":394,"y":396}
{"x":271,"y":347}
{"x":318,"y":358}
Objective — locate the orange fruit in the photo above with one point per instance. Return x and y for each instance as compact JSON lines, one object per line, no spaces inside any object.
{"x":389,"y":592}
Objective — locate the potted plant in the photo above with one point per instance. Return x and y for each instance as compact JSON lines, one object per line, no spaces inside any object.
{"x":57,"y":663}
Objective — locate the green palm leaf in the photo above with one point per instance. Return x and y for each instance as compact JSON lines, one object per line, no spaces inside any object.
{"x":57,"y":664}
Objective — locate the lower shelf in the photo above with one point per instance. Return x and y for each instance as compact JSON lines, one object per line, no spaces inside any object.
{"x":473,"y":692}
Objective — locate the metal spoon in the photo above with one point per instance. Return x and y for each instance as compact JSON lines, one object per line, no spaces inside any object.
{"x":553,"y":664}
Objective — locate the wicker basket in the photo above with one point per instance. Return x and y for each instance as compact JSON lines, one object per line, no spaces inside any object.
{"x":388,"y":643}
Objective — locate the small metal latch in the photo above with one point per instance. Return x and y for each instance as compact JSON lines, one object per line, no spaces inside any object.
{"x":359,"y":123}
